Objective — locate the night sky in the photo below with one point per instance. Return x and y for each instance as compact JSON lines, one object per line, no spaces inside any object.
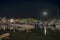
{"x":34,"y":9}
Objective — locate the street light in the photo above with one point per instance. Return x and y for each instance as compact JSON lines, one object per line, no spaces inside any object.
{"x":45,"y":13}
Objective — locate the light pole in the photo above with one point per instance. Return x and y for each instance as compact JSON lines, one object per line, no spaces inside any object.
{"x":45,"y":30}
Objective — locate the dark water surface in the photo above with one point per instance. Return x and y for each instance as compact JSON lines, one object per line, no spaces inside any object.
{"x":35,"y":35}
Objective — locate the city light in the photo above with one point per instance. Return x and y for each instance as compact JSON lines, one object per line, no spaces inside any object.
{"x":11,"y":20}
